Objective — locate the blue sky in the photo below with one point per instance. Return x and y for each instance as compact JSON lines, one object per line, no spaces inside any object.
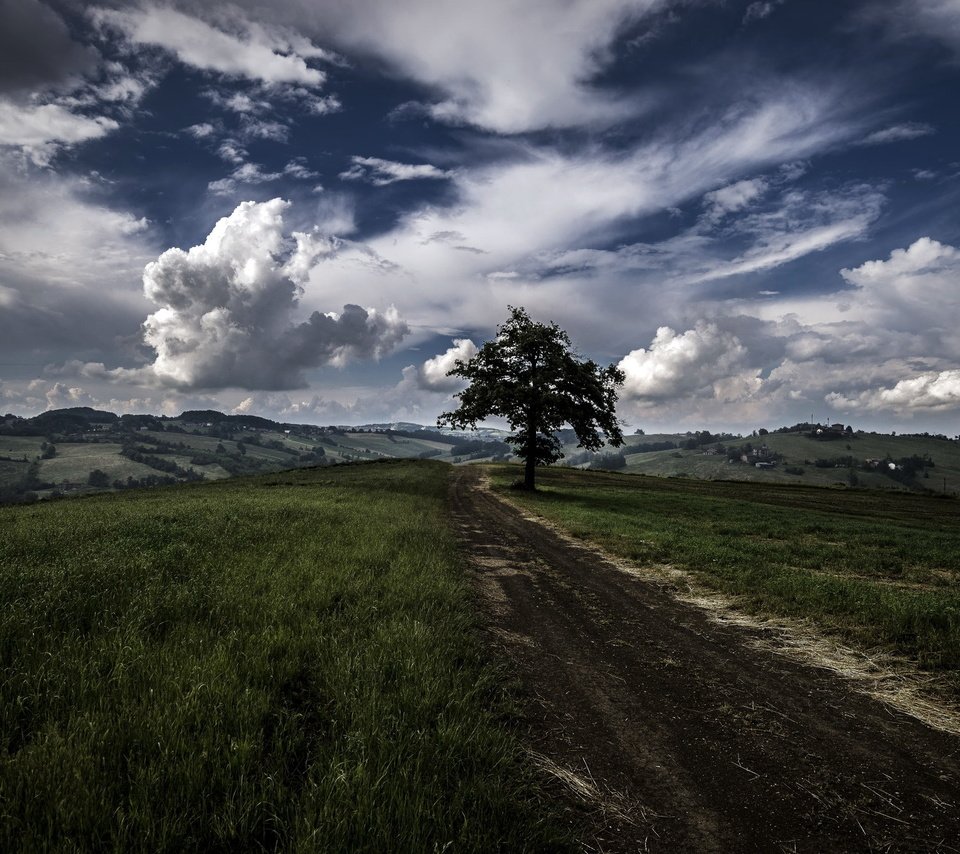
{"x":308,"y":210}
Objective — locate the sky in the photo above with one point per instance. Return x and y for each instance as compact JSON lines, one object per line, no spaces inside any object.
{"x":308,"y":209}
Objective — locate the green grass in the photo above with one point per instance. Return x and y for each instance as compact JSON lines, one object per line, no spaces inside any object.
{"x":74,"y":462}
{"x":284,"y":662}
{"x":800,"y":451}
{"x":12,"y":472}
{"x":197,"y":443}
{"x":18,"y":446}
{"x":881,"y":567}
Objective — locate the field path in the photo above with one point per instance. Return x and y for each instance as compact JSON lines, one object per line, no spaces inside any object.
{"x":676,"y":733}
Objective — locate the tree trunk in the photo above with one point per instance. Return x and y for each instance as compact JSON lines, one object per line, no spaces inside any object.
{"x":531,"y":468}
{"x":531,"y":463}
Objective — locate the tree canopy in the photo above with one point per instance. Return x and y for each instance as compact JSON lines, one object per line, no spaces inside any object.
{"x":531,"y":376}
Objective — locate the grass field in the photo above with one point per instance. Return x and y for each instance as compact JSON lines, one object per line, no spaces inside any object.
{"x":20,"y":446}
{"x":881,"y":567}
{"x":799,"y":451}
{"x":282,"y":663}
{"x":75,"y":462}
{"x":12,"y":472}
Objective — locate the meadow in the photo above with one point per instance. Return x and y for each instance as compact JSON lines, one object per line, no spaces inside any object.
{"x":880,"y":567}
{"x":286,"y":662}
{"x":73,"y":463}
{"x":799,"y":455}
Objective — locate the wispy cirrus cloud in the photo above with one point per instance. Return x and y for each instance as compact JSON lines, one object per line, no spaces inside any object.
{"x":250,"y":50}
{"x":898,"y":133}
{"x":506,"y":67}
{"x":938,"y":20}
{"x":380,"y":172}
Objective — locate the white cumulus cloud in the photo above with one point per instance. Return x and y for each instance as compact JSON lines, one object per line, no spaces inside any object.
{"x":702,"y":362}
{"x":226,"y":310}
{"x":929,"y":391}
{"x":915,"y":289}
{"x":432,"y":374}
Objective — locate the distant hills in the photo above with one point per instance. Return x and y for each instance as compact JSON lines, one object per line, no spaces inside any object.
{"x":80,"y":449}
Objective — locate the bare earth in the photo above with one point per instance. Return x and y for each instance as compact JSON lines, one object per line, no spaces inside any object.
{"x":676,"y":733}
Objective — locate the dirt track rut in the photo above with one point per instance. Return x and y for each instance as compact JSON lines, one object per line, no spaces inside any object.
{"x":680,"y":735}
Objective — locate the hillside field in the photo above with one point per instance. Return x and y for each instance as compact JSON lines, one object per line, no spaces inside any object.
{"x":798,"y":452}
{"x":285,"y":662}
{"x":82,"y":450}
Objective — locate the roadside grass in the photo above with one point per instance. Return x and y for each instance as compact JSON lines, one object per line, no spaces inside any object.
{"x":881,"y":567}
{"x":284,"y":662}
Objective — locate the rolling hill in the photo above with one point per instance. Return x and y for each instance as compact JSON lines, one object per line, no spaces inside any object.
{"x":81,"y":450}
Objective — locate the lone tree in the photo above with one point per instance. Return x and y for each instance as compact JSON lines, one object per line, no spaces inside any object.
{"x":530,"y":375}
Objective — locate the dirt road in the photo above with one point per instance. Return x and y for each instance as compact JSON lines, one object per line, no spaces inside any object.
{"x":681,"y":735}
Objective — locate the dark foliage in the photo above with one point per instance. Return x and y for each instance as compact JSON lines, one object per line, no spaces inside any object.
{"x":530,"y":376}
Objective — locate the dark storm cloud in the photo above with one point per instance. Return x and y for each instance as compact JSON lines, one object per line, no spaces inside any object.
{"x":36,"y":49}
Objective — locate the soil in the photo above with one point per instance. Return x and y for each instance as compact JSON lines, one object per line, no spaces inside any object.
{"x":671,"y":732}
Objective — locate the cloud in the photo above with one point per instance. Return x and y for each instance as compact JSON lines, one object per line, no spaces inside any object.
{"x":887,"y":343}
{"x":123,"y":89}
{"x":927,"y":392}
{"x":915,"y":289}
{"x":298,"y":169}
{"x":781,"y":248}
{"x":898,"y":133}
{"x":783,"y":228}
{"x":506,"y":66}
{"x":41,"y":130}
{"x":904,"y":268}
{"x":69,"y":268}
{"x":536,"y":214}
{"x":260,"y":129}
{"x":760,"y":10}
{"x":227,"y":307}
{"x":702,"y":362}
{"x":252,"y":50}
{"x":733,"y":197}
{"x":36,"y":50}
{"x":203,"y":130}
{"x":382,"y":172}
{"x":247,"y":173}
{"x":28,"y":398}
{"x":432,"y":374}
{"x":935,"y":19}
{"x":545,"y":199}
{"x":232,"y":152}
{"x":59,"y":396}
